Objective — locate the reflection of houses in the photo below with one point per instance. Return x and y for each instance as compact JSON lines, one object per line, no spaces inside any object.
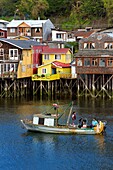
{"x":95,"y":61}
{"x":35,"y":29}
{"x":16,"y":54}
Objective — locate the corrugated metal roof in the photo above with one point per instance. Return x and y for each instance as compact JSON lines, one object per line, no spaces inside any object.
{"x":4,"y":21}
{"x":22,"y":44}
{"x":31,"y":23}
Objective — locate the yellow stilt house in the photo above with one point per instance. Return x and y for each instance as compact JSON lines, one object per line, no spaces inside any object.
{"x":53,"y":71}
{"x":49,"y":55}
{"x":55,"y":64}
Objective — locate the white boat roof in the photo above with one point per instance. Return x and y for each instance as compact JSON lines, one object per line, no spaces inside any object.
{"x":49,"y":115}
{"x":31,"y":23}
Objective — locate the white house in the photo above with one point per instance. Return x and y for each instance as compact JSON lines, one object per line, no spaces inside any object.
{"x":59,"y":35}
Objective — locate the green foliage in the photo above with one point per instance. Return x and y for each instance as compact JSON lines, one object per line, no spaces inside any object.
{"x":108,"y":4}
{"x":75,"y":13}
{"x":83,"y":12}
{"x":73,"y":46}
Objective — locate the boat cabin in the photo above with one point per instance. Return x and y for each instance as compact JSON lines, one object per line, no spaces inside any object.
{"x":44,"y":119}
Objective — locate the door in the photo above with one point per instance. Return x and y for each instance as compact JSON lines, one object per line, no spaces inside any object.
{"x":53,"y":70}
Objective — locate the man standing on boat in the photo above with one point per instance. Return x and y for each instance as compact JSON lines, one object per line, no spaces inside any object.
{"x":73,"y":117}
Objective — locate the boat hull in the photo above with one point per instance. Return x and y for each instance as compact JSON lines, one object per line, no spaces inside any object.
{"x":60,"y":129}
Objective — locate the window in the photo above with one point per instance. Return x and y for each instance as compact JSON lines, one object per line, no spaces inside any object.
{"x":86,"y":62}
{"x":89,"y":45}
{"x":110,"y":62}
{"x":29,"y":66}
{"x":68,"y":56}
{"x":94,"y":61}
{"x":1,"y":34}
{"x":108,"y":45}
{"x":79,"y":62}
{"x":58,"y":36}
{"x":37,"y":30}
{"x":37,"y":51}
{"x":12,"y":30}
{"x":23,"y":68}
{"x":13,"y":54}
{"x":1,"y":52}
{"x":57,"y":57}
{"x":44,"y":71}
{"x":4,"y":67}
{"x":28,"y":30}
{"x":70,"y":36}
{"x":46,"y":57}
{"x":102,"y":62}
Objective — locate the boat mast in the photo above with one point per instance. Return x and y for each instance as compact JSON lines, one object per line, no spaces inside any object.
{"x":56,"y":109}
{"x":69,"y":114}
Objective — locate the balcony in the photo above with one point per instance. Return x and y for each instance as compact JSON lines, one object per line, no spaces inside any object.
{"x":6,"y":57}
{"x":8,"y":75}
{"x":25,"y":34}
{"x":51,"y":77}
{"x":46,"y":77}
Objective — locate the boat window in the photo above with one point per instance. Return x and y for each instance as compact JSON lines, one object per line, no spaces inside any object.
{"x":41,"y":121}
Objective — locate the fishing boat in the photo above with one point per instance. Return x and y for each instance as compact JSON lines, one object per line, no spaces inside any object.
{"x":49,"y":123}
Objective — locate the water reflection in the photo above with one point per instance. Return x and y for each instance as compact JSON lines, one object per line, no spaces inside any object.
{"x":100,"y":141}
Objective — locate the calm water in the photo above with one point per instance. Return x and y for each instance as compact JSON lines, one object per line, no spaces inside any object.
{"x":20,"y":149}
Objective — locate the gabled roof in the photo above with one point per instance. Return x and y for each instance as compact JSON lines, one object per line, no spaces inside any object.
{"x":57,"y":64}
{"x":31,"y":23}
{"x":99,"y":37}
{"x":84,"y":34}
{"x":22,"y":44}
{"x":55,"y":50}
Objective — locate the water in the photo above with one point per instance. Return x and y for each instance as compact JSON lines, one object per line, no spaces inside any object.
{"x":22,"y":150}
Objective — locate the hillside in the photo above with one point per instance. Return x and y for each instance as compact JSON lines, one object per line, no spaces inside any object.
{"x":65,"y":14}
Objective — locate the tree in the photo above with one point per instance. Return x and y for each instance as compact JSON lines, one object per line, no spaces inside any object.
{"x":32,"y":8}
{"x":83,"y":12}
{"x":7,"y":7}
{"x":38,"y":8}
{"x":108,"y":4}
{"x":59,"y":8}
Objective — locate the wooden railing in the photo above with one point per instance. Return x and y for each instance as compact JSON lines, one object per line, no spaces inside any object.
{"x":49,"y":77}
{"x":46,"y":77}
{"x":8,"y":75}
